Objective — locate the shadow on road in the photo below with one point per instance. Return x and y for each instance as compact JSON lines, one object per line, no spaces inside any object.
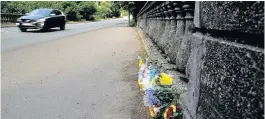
{"x":46,"y":31}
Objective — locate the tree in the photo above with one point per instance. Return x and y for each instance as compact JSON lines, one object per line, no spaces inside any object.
{"x":115,"y":9}
{"x":103,"y":10}
{"x":74,"y":10}
{"x":17,"y":7}
{"x":87,"y":9}
{"x":4,"y":7}
{"x":22,"y":7}
{"x":71,"y":9}
{"x":130,"y":6}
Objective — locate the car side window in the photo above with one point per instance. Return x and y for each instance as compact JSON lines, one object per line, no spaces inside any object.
{"x":53,"y":12}
{"x":58,"y":12}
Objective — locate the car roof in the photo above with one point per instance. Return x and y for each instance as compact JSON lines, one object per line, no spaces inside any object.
{"x":48,"y":9}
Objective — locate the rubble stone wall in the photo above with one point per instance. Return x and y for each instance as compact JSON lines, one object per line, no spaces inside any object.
{"x":219,"y":47}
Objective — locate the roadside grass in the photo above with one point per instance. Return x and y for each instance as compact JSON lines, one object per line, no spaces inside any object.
{"x":3,"y":25}
{"x":143,"y":53}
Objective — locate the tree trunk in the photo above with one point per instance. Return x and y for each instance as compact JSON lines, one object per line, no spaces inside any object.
{"x":129,"y":16}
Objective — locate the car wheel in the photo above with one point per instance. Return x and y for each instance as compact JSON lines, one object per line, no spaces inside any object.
{"x":23,"y":29}
{"x":62,"y":27}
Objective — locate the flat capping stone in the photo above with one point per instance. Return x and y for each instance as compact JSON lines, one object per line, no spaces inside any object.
{"x":256,"y":40}
{"x":222,"y":41}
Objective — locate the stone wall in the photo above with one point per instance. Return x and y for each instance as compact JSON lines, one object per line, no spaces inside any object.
{"x":219,"y":47}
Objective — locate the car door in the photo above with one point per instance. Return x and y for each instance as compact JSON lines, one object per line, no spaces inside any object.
{"x":59,"y":18}
{"x":53,"y":19}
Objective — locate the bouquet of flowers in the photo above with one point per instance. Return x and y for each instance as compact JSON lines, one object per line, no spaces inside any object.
{"x":160,"y":96}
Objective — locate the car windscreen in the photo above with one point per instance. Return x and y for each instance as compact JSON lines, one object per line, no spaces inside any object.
{"x":41,"y":12}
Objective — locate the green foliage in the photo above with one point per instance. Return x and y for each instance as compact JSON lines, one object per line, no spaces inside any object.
{"x":17,"y":7}
{"x":74,"y":10}
{"x":131,"y":7}
{"x":127,"y":5}
{"x":4,"y":6}
{"x":96,"y":17}
{"x":124,"y":12}
{"x":115,"y":9}
{"x":71,"y":9}
{"x":103,"y":10}
{"x":108,"y":9}
{"x":22,"y":7}
{"x":87,"y":9}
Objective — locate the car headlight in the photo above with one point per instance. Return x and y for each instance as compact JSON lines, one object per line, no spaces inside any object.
{"x":41,"y":20}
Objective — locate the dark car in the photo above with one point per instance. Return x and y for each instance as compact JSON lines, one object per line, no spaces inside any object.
{"x":43,"y":19}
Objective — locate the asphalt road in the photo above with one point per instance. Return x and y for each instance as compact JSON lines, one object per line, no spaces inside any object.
{"x":12,"y":38}
{"x":79,"y":73}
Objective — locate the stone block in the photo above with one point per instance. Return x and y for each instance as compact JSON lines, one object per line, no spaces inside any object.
{"x":174,"y":48}
{"x":168,"y":67}
{"x":183,"y":53}
{"x":161,"y":26}
{"x":243,"y":16}
{"x":232,"y":81}
{"x":162,"y":61}
{"x":193,"y":70}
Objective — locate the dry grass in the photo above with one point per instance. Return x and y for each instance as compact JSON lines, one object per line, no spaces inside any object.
{"x":3,"y":25}
{"x":143,"y":53}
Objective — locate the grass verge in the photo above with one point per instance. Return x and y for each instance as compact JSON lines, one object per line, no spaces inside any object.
{"x":3,"y":25}
{"x":143,"y":52}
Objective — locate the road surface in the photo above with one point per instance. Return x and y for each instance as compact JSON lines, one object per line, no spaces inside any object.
{"x":71,"y":74}
{"x":12,"y":38}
